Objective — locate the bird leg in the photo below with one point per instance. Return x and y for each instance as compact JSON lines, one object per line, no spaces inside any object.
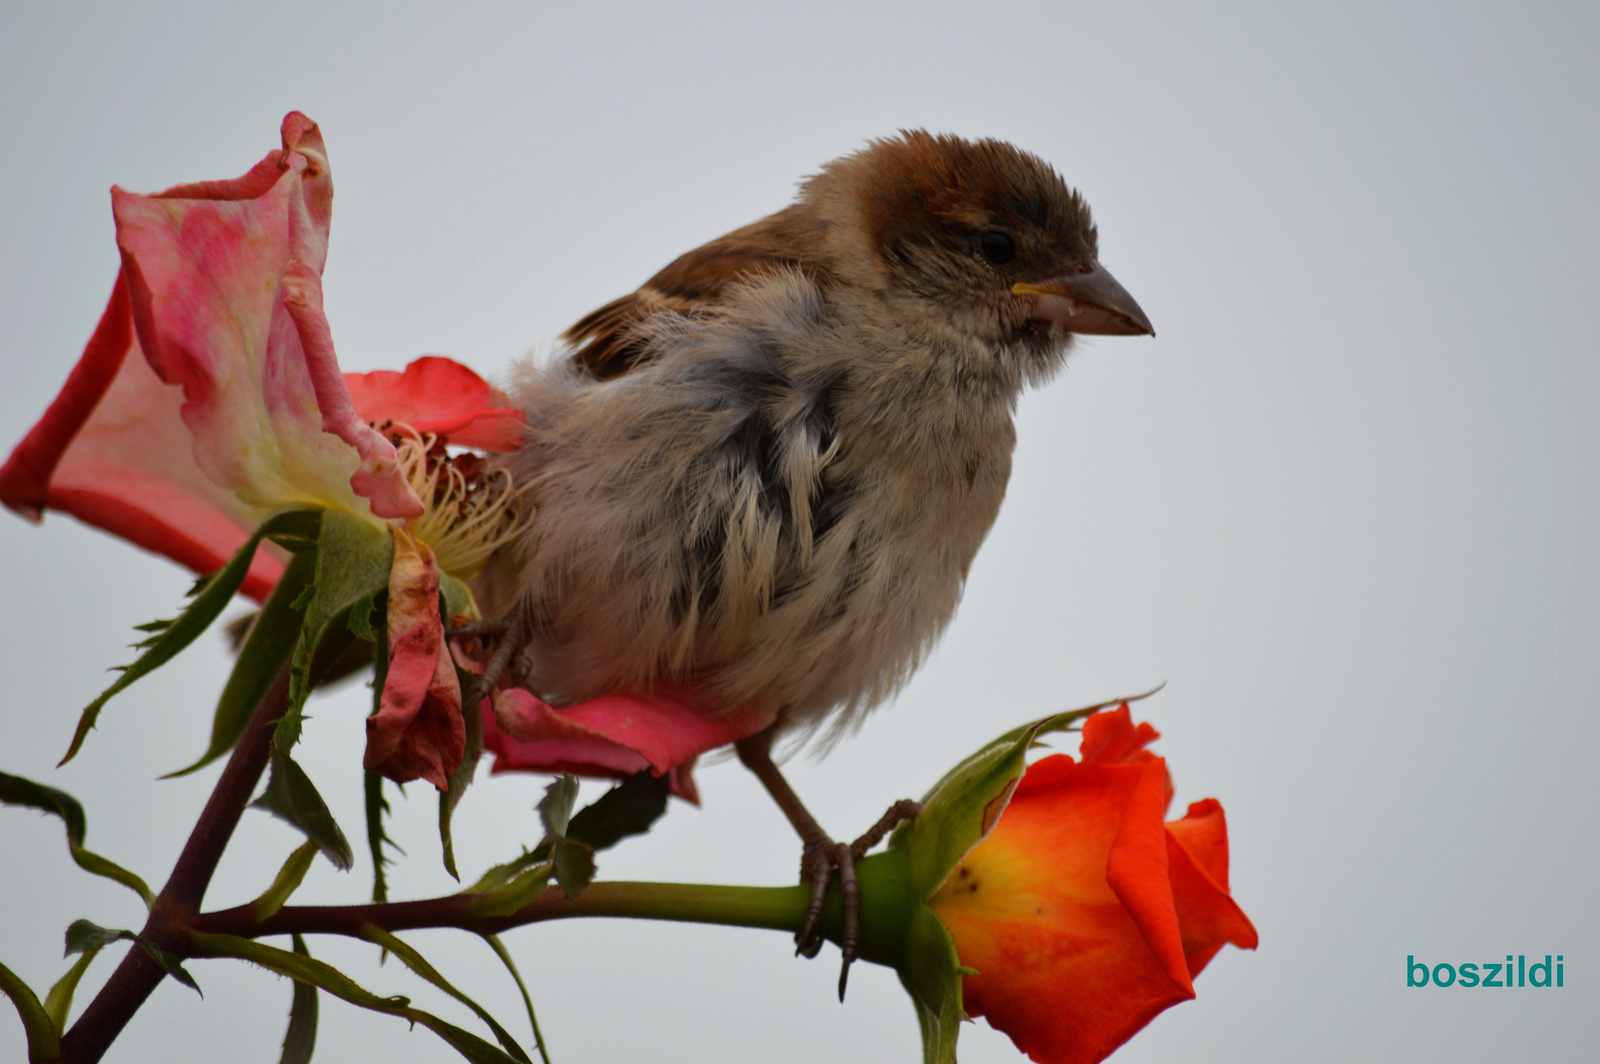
{"x":821,"y":855}
{"x":510,"y":637}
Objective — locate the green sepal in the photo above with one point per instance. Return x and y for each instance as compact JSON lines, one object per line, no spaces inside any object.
{"x":288,"y":880}
{"x":417,"y":963}
{"x":335,"y":982}
{"x":271,"y":639}
{"x":300,"y":1038}
{"x":288,"y":526}
{"x":291,"y":796}
{"x":931,"y":975}
{"x":461,"y":778}
{"x":354,"y":557}
{"x":83,"y":936}
{"x":377,"y":806}
{"x":58,"y":1002}
{"x":527,"y":1000}
{"x":455,"y":599}
{"x":44,"y":1041}
{"x":964,"y":806}
{"x":15,"y":790}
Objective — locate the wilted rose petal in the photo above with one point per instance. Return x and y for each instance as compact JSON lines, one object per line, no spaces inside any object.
{"x":202,"y":401}
{"x":614,"y":735}
{"x":440,"y":397}
{"x":418,"y":731}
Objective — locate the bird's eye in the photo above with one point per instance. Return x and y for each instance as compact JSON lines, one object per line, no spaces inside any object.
{"x":996,"y":246}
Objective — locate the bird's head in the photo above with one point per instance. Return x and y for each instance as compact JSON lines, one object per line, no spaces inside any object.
{"x":978,"y":236}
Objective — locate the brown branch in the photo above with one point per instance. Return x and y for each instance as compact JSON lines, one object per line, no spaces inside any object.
{"x":137,"y":976}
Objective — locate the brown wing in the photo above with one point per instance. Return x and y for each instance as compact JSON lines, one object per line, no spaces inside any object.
{"x":604,"y":340}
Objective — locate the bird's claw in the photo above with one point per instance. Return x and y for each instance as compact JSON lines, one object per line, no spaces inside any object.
{"x":509,"y":637}
{"x":820,"y":859}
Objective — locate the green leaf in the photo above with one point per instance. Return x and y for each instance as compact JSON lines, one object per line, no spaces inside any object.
{"x":512,"y":893}
{"x":335,"y":982}
{"x":301,"y":1037}
{"x":931,"y":975}
{"x":377,"y":806}
{"x":44,"y":1042}
{"x":460,"y":779}
{"x":417,"y":963}
{"x":291,"y":796}
{"x":266,"y":647}
{"x":15,"y":790}
{"x":354,"y":557}
{"x":555,"y":808}
{"x":58,"y":1002}
{"x":527,"y":1001}
{"x":83,"y":936}
{"x":288,"y":880}
{"x":626,"y":809}
{"x":211,"y":596}
{"x":630,"y":808}
{"x":574,"y":866}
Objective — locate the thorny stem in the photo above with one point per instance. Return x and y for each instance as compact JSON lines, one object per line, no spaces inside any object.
{"x":137,"y":976}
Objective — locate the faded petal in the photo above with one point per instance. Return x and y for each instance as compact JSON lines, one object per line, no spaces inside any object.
{"x":202,"y":400}
{"x":418,"y":731}
{"x":614,"y":735}
{"x":226,"y":302}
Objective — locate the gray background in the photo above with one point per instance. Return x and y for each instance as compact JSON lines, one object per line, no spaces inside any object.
{"x":1345,"y":504}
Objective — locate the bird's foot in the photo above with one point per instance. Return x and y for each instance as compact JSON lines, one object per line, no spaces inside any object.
{"x":510,"y":641}
{"x":823,"y":857}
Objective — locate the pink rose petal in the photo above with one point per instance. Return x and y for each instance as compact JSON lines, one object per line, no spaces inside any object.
{"x":418,"y":731}
{"x":614,"y":735}
{"x":438,"y":396}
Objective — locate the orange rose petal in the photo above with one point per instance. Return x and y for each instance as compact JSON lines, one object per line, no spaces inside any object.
{"x":1065,"y":968}
{"x":1208,"y":917}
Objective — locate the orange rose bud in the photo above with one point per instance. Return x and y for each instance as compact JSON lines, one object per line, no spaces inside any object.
{"x":1083,"y":913}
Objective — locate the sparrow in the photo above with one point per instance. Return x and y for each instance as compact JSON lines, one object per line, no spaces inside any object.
{"x":764,"y":474}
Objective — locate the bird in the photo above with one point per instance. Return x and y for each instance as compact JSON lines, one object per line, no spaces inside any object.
{"x":765,"y":473}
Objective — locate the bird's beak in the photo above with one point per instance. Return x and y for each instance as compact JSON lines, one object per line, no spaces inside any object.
{"x":1088,"y":301}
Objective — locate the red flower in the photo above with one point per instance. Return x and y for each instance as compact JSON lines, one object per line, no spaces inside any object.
{"x":1083,"y":913}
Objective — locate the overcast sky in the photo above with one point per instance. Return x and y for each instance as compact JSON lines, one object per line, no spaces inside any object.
{"x":1345,"y":504}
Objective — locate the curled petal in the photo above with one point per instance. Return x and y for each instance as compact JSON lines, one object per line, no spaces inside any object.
{"x":1197,"y":856}
{"x":1111,"y":737}
{"x":202,"y":401}
{"x":418,"y":731}
{"x":439,"y":397}
{"x":614,"y":735}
